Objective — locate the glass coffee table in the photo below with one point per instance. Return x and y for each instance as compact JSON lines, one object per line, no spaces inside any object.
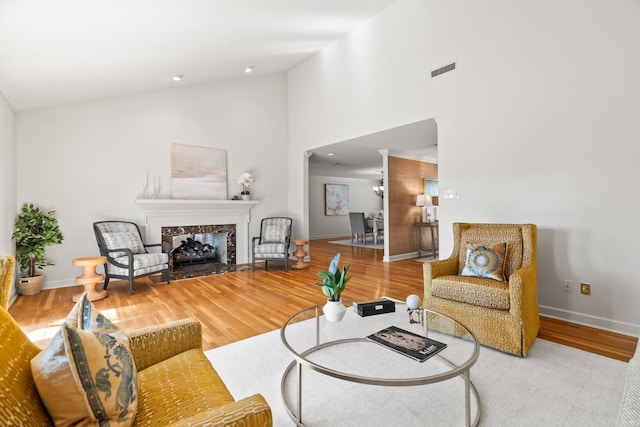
{"x":324,"y":350}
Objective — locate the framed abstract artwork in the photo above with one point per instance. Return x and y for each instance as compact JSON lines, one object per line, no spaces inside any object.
{"x":336,"y":199}
{"x":198,"y":172}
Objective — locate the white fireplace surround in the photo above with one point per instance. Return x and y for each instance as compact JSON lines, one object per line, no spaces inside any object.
{"x":160,"y":213}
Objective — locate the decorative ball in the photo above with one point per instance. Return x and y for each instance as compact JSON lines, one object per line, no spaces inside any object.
{"x":413,"y":302}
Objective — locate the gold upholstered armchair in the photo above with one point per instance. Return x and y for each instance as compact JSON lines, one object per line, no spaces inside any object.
{"x":489,"y":284}
{"x":176,"y":384}
{"x":7,"y":267}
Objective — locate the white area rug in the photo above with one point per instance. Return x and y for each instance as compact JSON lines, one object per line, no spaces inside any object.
{"x":554,"y":386}
{"x":369,"y":245}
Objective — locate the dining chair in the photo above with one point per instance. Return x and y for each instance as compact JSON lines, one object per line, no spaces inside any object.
{"x":359,"y":227}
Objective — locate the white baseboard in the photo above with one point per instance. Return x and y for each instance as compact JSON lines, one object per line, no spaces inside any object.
{"x":589,"y":320}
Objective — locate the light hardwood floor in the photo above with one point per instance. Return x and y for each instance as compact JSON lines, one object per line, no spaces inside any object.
{"x":246,"y":303}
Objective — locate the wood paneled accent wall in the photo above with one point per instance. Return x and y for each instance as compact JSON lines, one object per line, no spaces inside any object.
{"x":405,"y":181}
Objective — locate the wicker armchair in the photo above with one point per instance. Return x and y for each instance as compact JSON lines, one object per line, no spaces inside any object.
{"x":176,"y":383}
{"x":502,"y":315}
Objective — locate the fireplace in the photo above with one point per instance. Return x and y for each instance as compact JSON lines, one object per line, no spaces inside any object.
{"x":159,"y":213}
{"x":196,"y":250}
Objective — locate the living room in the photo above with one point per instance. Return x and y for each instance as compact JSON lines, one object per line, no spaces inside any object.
{"x":537,"y":124}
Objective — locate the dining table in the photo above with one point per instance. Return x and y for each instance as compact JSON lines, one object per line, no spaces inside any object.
{"x":378,"y":227}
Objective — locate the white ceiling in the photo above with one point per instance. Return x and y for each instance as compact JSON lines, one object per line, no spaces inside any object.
{"x":360,"y":157}
{"x":65,"y":51}
{"x":61,"y":51}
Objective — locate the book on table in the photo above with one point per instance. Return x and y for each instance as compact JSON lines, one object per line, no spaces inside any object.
{"x":407,"y":343}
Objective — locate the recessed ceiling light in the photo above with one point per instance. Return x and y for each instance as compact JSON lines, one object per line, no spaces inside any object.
{"x":331,"y":154}
{"x":177,"y":77}
{"x":249,"y":69}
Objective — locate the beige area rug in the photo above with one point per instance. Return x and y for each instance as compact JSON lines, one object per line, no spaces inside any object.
{"x":554,"y":386}
{"x":369,"y":245}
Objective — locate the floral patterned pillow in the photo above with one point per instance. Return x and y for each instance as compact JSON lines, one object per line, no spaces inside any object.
{"x":86,"y":375}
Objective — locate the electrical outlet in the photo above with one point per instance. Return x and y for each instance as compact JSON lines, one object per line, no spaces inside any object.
{"x":566,"y":286}
{"x":585,"y":288}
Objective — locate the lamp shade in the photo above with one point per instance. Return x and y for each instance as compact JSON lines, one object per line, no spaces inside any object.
{"x":421,"y":200}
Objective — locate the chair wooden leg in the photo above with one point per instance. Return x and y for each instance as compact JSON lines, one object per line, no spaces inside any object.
{"x":168,"y":276}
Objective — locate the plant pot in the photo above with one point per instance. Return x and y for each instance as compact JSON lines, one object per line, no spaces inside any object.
{"x":334,"y":311}
{"x":245,"y":197}
{"x":30,"y":285}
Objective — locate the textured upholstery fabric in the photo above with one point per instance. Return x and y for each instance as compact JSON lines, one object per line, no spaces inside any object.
{"x":151,"y":348}
{"x":485,"y":260}
{"x":86,"y":374}
{"x":20,"y":403}
{"x":142,"y":264}
{"x":273,"y":242}
{"x":7,"y":268}
{"x":502,"y":315}
{"x":472,"y":290}
{"x":127,"y":256}
{"x":123,"y":240}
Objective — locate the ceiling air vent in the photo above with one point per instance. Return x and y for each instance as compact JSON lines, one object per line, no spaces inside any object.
{"x":442,"y":70}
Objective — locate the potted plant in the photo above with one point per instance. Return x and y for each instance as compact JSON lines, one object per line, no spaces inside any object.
{"x":34,"y":231}
{"x":245,"y":180}
{"x":333,"y":284}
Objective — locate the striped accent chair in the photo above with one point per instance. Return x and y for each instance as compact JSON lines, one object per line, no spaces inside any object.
{"x":127,"y":255}
{"x":273,"y":242}
{"x":177,"y":385}
{"x":501,"y":314}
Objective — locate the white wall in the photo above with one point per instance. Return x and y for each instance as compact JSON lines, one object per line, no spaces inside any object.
{"x":538,"y":124}
{"x":88,"y":161}
{"x":7,"y":175}
{"x":361,"y":199}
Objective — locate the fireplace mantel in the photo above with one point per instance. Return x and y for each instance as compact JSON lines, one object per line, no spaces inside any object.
{"x":171,"y":212}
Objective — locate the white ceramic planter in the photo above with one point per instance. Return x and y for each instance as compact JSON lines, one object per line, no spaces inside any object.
{"x":334,"y":311}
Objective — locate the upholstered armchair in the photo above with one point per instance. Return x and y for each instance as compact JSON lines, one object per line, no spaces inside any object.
{"x":7,"y":268}
{"x":467,"y":286}
{"x":176,"y":383}
{"x":273,"y":242}
{"x":127,"y":257}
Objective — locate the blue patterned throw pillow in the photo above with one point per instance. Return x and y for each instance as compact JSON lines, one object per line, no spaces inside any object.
{"x":86,"y":375}
{"x":485,"y":260}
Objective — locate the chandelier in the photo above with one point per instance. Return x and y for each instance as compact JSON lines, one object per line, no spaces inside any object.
{"x":379,"y":189}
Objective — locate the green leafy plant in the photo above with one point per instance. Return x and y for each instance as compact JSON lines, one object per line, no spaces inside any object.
{"x":334,"y":280}
{"x":34,"y":231}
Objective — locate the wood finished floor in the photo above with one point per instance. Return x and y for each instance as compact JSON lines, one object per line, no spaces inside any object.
{"x":246,"y":303}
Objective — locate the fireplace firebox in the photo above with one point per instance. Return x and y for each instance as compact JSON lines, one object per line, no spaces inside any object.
{"x":197,"y":250}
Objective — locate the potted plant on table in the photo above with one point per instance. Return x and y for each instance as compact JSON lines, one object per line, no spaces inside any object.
{"x":34,"y":231}
{"x":245,"y":180}
{"x":333,"y":284}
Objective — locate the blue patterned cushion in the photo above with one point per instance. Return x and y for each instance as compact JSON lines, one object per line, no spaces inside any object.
{"x":485,"y":260}
{"x":86,"y":375}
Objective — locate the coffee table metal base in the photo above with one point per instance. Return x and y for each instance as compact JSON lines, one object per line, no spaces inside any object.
{"x":296,"y":414}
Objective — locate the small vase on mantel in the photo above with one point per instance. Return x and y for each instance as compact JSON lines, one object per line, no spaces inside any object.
{"x":334,"y":310}
{"x":245,"y":196}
